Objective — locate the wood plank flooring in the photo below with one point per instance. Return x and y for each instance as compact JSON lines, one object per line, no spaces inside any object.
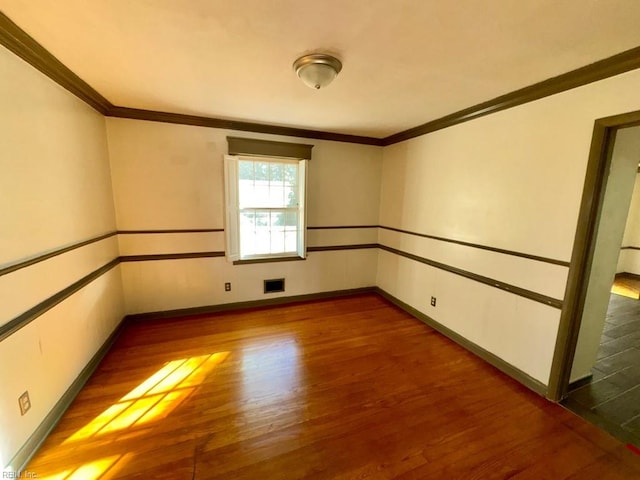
{"x":612,"y":398}
{"x":627,"y":285}
{"x":350,"y":388}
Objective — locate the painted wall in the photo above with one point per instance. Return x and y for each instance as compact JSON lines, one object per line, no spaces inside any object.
{"x":171,"y":177}
{"x":617,"y":198}
{"x":629,"y":259}
{"x":55,"y":189}
{"x":511,"y":180}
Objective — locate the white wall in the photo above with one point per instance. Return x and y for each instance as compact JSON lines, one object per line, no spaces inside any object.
{"x":55,"y":188}
{"x":171,"y":177}
{"x":511,"y":180}
{"x":615,"y":206}
{"x":629,"y":259}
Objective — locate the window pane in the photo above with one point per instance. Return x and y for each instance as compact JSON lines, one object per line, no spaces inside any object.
{"x":277,"y":172}
{"x":265,"y":190}
{"x":290,"y":219}
{"x":291,"y":197}
{"x":277,"y":236}
{"x":260,"y":196}
{"x":247,"y":219}
{"x":263,"y":185}
{"x":263,"y":233}
{"x":291,"y":174}
{"x":262,"y":170}
{"x":278,"y":219}
{"x":263,"y":242}
{"x":262,"y":220}
{"x":245,"y":193}
{"x":248,"y":244}
{"x":247,"y":233}
{"x":291,"y":241}
{"x":276,"y":197}
{"x":245,"y":170}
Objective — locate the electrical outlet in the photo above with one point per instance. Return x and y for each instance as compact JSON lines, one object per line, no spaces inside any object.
{"x":227,"y":287}
{"x":433,"y":301}
{"x":24,"y":402}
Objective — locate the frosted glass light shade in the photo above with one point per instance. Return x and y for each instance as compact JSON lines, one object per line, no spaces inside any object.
{"x":317,"y":70}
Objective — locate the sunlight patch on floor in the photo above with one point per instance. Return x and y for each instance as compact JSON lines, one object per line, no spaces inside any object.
{"x":625,"y":291}
{"x":155,"y":396}
{"x":89,"y":471}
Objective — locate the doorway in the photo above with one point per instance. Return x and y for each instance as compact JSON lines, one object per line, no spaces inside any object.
{"x":595,"y":362}
{"x":610,"y":392}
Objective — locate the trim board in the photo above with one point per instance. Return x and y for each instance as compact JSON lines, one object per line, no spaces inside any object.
{"x":485,"y":355}
{"x":29,"y":449}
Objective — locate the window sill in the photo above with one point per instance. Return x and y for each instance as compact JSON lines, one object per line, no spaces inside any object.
{"x":267,"y":260}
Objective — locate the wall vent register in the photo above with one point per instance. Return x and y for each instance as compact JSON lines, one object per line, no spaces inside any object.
{"x":274,"y":285}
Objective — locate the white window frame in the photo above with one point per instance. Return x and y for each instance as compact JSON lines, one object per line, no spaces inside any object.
{"x":232,"y":209}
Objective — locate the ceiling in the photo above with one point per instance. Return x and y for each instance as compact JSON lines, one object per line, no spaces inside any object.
{"x":406,"y":62}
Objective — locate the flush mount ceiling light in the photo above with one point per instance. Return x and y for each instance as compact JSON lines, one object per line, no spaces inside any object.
{"x":317,"y":70}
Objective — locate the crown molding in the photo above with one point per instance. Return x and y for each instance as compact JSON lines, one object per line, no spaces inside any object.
{"x":24,"y":46}
{"x":199,"y":121}
{"x":615,"y":65}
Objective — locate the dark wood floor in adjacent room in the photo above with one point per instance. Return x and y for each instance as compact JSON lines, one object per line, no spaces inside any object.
{"x":612,"y":398}
{"x":335,"y":389}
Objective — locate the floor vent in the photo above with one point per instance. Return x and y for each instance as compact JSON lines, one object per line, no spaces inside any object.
{"x":274,"y":285}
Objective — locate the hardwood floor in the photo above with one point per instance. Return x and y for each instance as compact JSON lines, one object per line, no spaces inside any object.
{"x":627,"y":285}
{"x":351,"y":388}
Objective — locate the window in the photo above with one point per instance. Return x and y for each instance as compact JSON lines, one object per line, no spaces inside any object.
{"x":265,"y":203}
